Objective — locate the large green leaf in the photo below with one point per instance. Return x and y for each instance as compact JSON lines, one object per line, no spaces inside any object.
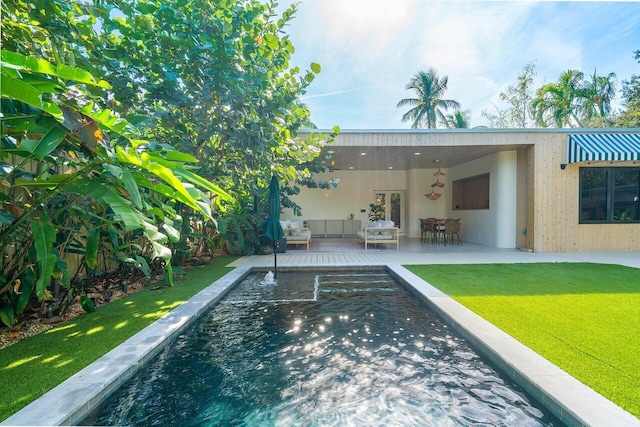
{"x":6,"y":315}
{"x":168,"y":176}
{"x":114,"y":237}
{"x":87,"y":304}
{"x":132,"y":187}
{"x":124,"y":212}
{"x":51,"y":182}
{"x":128,"y":156}
{"x":108,"y":120}
{"x":166,"y":191}
{"x":44,"y":236}
{"x":37,"y":65}
{"x":202,"y":183}
{"x":91,"y":252}
{"x":49,"y":142}
{"x":174,"y":235}
{"x":173,"y":155}
{"x":142,"y":264}
{"x":17,"y":89}
{"x":23,"y":297}
{"x":161,"y":251}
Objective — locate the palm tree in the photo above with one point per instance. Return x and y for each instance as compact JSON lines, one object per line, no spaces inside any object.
{"x":457,"y":120}
{"x":560,"y":102}
{"x":598,"y":95}
{"x":428,"y":107}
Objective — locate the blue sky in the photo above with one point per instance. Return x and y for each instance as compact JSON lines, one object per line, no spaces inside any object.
{"x":370,"y":49}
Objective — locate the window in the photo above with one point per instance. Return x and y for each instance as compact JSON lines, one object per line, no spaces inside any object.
{"x":471,"y":193}
{"x":609,"y":195}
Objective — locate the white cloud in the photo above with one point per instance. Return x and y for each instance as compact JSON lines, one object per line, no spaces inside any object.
{"x":371,"y":22}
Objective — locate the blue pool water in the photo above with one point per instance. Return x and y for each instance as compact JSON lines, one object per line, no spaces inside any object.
{"x":320,"y":349}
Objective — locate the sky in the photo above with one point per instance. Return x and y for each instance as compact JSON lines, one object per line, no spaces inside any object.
{"x":370,"y":49}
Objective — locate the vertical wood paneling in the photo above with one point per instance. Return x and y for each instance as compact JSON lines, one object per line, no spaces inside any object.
{"x":557,"y":203}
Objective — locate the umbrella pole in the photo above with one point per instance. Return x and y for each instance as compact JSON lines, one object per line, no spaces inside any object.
{"x":275,"y":261}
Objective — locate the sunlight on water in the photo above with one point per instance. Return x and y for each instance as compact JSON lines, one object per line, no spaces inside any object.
{"x":347,"y":349}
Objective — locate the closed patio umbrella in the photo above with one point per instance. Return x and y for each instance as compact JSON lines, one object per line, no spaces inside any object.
{"x":271,"y":226}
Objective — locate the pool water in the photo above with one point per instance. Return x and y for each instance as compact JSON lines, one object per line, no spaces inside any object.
{"x":320,"y":349}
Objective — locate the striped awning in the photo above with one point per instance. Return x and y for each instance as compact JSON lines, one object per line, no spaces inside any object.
{"x":603,"y":146}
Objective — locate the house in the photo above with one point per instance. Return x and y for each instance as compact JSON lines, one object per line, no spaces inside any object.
{"x":542,"y":190}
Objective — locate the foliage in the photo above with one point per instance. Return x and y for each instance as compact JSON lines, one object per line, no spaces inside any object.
{"x":598,"y":95}
{"x":376,"y":211}
{"x":630,"y":117}
{"x":518,"y":98}
{"x":631,"y":87}
{"x":226,"y":95}
{"x":428,"y":108}
{"x":572,"y":100}
{"x":207,"y":78}
{"x":458,"y":120}
{"x":557,"y":103}
{"x":74,"y":175}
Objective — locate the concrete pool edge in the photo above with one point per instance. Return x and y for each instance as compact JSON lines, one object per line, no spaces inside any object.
{"x":569,"y":399}
{"x":74,"y":399}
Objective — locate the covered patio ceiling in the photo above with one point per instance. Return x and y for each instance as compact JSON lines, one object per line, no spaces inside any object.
{"x":407,"y":157}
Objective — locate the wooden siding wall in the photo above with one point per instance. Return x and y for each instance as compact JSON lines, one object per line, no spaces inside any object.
{"x":556,"y":202}
{"x":524,"y":205}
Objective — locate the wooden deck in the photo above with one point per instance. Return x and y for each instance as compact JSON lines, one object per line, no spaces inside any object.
{"x":350,"y":251}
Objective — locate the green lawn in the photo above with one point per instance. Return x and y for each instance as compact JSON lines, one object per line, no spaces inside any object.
{"x":35,"y":365}
{"x":583,"y":317}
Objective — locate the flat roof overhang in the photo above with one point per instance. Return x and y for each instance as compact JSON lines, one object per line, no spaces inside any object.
{"x":413,"y":149}
{"x":403,"y":149}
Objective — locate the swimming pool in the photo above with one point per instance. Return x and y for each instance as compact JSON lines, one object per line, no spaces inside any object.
{"x":320,"y":348}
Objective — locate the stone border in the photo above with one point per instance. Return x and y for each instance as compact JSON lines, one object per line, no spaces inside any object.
{"x":570,"y":400}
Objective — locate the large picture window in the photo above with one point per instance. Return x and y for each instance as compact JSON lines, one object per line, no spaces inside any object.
{"x":609,"y":195}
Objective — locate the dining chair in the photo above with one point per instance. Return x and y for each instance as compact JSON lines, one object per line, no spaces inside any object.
{"x":426,"y":229}
{"x":451,"y":229}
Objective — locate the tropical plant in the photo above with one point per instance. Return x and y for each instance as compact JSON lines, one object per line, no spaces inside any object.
{"x":458,"y":120}
{"x":574,"y":101}
{"x":598,"y":95}
{"x":518,"y":97}
{"x":73,"y":175}
{"x":212,"y":78}
{"x":376,"y":211}
{"x":428,"y":108}
{"x":559,"y":103}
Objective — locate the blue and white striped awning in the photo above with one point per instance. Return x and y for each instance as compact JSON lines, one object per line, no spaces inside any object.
{"x":603,"y":146}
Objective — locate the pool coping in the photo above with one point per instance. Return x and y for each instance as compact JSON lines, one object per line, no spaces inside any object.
{"x":569,"y":399}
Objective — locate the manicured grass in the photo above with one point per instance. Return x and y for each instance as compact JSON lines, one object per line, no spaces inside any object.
{"x":583,"y":317}
{"x":35,"y":365}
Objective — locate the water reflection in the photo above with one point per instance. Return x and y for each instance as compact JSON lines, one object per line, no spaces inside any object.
{"x":331,"y":357}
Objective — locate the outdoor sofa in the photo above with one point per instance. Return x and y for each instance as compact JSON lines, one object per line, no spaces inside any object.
{"x":379,"y":232}
{"x":296,"y":233}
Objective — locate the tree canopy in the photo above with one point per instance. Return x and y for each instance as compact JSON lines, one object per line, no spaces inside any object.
{"x":518,"y":97}
{"x":428,"y":108}
{"x":135,"y":131}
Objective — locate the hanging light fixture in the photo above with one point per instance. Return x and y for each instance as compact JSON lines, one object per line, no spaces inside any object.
{"x":433,"y":195}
